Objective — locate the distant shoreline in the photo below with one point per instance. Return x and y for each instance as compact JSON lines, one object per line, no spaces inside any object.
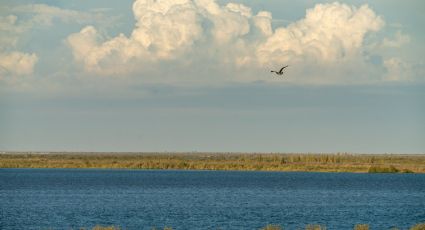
{"x":290,"y":162}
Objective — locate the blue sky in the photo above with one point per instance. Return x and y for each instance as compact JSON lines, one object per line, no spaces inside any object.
{"x":195,"y":76}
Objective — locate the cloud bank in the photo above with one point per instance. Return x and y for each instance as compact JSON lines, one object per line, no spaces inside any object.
{"x":189,"y":41}
{"x":17,"y":63}
{"x":329,"y":33}
{"x":13,"y":62}
{"x":230,"y":36}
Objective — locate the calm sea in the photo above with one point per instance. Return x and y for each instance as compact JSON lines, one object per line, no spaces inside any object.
{"x":142,"y":199}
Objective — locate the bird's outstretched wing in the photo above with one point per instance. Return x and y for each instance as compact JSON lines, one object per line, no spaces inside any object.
{"x":283,"y":68}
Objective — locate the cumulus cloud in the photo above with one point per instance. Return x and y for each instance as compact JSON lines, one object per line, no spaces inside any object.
{"x":230,"y":35}
{"x":163,"y":30}
{"x":399,"y":40}
{"x":17,"y":63}
{"x":329,"y":33}
{"x":12,"y":26}
{"x":12,"y":62}
{"x":166,"y":26}
{"x":111,"y":57}
{"x":397,"y":70}
{"x":22,"y":19}
{"x":168,"y":29}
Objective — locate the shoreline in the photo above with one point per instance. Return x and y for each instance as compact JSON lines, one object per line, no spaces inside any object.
{"x":207,"y":170}
{"x":273,"y":162}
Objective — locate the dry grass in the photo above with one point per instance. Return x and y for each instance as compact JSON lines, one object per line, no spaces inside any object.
{"x":99,"y":227}
{"x":420,"y":226}
{"x":361,"y":227}
{"x":220,"y":161}
{"x":272,"y":227}
{"x":315,"y":227}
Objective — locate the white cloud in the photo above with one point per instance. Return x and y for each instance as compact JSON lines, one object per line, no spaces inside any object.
{"x":229,"y":22}
{"x":165,"y":27}
{"x":263,"y":22}
{"x":166,"y":30}
{"x":12,"y":62}
{"x":9,"y":30}
{"x":399,"y":40}
{"x":330,"y":38}
{"x":111,"y":57}
{"x":17,"y":63}
{"x":397,"y":70}
{"x":44,"y":14}
{"x":329,"y":34}
{"x":22,"y":19}
{"x":163,"y":30}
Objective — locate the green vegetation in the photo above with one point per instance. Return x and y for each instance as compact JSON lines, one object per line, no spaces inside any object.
{"x":387,"y":169}
{"x":341,"y":162}
{"x":383,"y":169}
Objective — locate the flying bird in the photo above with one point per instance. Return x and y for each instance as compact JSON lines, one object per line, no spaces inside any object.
{"x":280,"y":72}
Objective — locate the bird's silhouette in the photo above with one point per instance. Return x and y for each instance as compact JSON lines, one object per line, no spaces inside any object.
{"x":280,"y":72}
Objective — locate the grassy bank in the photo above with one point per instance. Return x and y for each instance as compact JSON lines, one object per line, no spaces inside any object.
{"x":220,"y":161}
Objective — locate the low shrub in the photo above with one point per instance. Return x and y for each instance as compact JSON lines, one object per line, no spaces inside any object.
{"x":407,"y":171}
{"x":272,"y":227}
{"x":315,"y":227}
{"x":380,"y":169}
{"x":99,"y":227}
{"x":420,"y":226}
{"x":361,"y":227}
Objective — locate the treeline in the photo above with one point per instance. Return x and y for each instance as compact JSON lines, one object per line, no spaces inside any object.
{"x":341,"y":162}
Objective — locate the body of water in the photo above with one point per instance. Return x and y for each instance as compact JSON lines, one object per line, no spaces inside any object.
{"x":142,"y":199}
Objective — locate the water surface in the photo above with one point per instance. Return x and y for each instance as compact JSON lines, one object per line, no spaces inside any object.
{"x":142,"y":199}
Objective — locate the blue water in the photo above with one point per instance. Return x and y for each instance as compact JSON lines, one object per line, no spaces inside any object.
{"x":142,"y":199}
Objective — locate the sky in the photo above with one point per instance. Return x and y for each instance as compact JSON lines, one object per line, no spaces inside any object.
{"x":182,"y":75}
